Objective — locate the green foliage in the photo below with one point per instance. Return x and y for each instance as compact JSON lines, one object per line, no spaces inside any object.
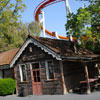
{"x":34,"y":28}
{"x":9,"y":15}
{"x":12,"y":31}
{"x":85,"y":25}
{"x":7,"y":86}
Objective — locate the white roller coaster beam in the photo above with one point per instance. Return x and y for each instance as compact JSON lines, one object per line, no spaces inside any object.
{"x":56,"y":34}
{"x":43,"y":23}
{"x":68,"y":10}
{"x":67,"y":7}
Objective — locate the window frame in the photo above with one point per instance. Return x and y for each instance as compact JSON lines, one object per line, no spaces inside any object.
{"x":47,"y":71}
{"x":31,"y":69}
{"x":21,"y":75}
{"x":34,"y":63}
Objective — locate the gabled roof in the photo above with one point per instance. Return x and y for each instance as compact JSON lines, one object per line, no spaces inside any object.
{"x":63,"y":47}
{"x":59,"y":49}
{"x":7,"y":56}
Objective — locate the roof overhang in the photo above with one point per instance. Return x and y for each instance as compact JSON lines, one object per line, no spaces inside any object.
{"x":35,"y":42}
{"x":49,"y":51}
{"x":81,"y":59}
{"x":4,"y":66}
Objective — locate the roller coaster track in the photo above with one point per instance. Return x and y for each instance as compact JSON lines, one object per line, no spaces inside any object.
{"x":37,"y":11}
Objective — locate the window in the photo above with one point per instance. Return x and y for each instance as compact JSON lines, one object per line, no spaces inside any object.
{"x":36,"y":76}
{"x":49,"y":69}
{"x":36,"y":72}
{"x":23,"y":72}
{"x":35,"y":65}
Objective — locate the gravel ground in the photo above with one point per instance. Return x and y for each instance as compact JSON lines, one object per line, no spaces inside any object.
{"x":71,"y":96}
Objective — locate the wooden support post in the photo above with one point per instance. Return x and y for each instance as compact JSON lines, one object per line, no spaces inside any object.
{"x":96,"y":65}
{"x":62,"y":77}
{"x":15,"y":75}
{"x":87,"y":79}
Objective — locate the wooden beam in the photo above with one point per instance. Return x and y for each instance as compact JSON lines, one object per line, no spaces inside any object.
{"x":15,"y":75}
{"x":97,"y":66}
{"x":62,"y":77}
{"x":83,"y":61}
{"x":87,"y":79}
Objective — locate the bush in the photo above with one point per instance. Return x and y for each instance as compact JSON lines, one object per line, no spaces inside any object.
{"x":7,"y":86}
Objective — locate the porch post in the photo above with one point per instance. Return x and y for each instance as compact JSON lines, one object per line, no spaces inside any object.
{"x":62,"y":77}
{"x":87,"y":79}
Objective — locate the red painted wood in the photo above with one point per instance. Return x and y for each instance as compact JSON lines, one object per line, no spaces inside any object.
{"x":36,"y":81}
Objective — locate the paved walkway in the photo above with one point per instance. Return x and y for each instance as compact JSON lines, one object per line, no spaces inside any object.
{"x":92,"y":96}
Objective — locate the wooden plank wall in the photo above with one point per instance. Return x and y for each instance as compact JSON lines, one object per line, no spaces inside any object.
{"x":73,"y":73}
{"x":38,"y":55}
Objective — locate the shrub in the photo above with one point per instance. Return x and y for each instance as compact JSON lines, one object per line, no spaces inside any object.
{"x":7,"y":86}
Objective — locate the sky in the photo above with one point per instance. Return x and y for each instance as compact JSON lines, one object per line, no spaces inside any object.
{"x":55,"y":14}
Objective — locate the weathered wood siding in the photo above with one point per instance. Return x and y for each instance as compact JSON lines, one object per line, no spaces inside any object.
{"x":73,"y":73}
{"x":38,"y":55}
{"x":52,"y":86}
{"x":93,"y":70}
{"x":20,"y":85}
{"x":8,"y":73}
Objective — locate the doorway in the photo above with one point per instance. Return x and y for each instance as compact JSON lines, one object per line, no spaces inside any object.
{"x":36,"y":79}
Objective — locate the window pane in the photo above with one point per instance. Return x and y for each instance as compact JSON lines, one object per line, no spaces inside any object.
{"x":38,"y":73}
{"x":34,"y":73}
{"x":35,"y":66}
{"x":50,"y":70}
{"x":35,"y":79}
{"x":51,"y":76}
{"x":23,"y":72}
{"x":38,"y":79}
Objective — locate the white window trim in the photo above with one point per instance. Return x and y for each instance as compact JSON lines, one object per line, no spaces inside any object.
{"x":47,"y":72}
{"x":20,"y":69}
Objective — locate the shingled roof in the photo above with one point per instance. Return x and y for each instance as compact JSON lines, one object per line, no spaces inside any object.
{"x":57,"y":48}
{"x":64,"y":47}
{"x":7,"y":56}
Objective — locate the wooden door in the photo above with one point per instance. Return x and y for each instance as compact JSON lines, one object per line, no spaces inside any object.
{"x":36,"y":81}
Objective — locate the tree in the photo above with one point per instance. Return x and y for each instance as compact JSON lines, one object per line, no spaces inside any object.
{"x":9,"y":15}
{"x":12,"y":31}
{"x":85,"y":25}
{"x":34,"y":28}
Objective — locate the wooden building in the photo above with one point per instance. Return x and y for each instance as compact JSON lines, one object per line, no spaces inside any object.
{"x":44,"y":66}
